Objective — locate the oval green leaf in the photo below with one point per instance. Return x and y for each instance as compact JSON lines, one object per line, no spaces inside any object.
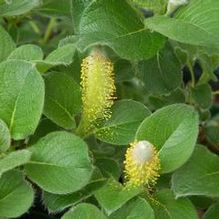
{"x":60,"y":163}
{"x":16,"y":195}
{"x":113,"y":196}
{"x":190,"y":21}
{"x":126,"y":116}
{"x":118,"y":25}
{"x":7,"y":45}
{"x":167,"y":207}
{"x":199,"y":176}
{"x":17,"y":7}
{"x":84,"y":210}
{"x":57,"y":203}
{"x":14,"y":159}
{"x":135,"y":208}
{"x":27,"y":52}
{"x":21,"y":97}
{"x":62,"y":99}
{"x":173,"y":130}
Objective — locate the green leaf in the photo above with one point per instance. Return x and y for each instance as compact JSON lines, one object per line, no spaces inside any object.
{"x":173,"y":130}
{"x":17,"y":7}
{"x":77,"y":9}
{"x":208,"y":63}
{"x":199,"y":176}
{"x":118,"y":25}
{"x":202,"y":95}
{"x":21,"y":97}
{"x":6,"y":45}
{"x":16,"y":195}
{"x":161,"y":74}
{"x":27,"y":52}
{"x":45,"y":127}
{"x":212,"y":212}
{"x":109,"y":167}
{"x":190,"y":24}
{"x":212,"y":131}
{"x":5,"y":137}
{"x":62,"y":100}
{"x":203,"y":202}
{"x":60,"y":163}
{"x":159,"y":101}
{"x":14,"y":159}
{"x":56,"y":203}
{"x":126,"y":116}
{"x":167,"y":207}
{"x":84,"y":210}
{"x":113,"y":196}
{"x":136,"y":208}
{"x":60,"y":56}
{"x":158,"y":6}
{"x":70,"y":39}
{"x":57,"y":8}
{"x":124,"y":70}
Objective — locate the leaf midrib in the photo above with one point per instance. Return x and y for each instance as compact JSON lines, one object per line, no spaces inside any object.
{"x":55,"y":165}
{"x":12,"y":190}
{"x":71,"y":117}
{"x":17,"y":99}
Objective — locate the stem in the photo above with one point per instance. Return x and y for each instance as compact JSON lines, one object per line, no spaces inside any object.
{"x":192,"y":73}
{"x":34,"y":27}
{"x":84,"y":128}
{"x":51,"y":25}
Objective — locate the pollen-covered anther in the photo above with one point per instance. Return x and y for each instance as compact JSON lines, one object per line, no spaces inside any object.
{"x":142,"y":164}
{"x":97,"y":87}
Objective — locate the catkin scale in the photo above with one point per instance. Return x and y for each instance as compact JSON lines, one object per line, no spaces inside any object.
{"x":98,"y":88}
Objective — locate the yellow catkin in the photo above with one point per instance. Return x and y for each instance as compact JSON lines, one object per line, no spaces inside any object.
{"x":142,"y":164}
{"x":98,"y":88}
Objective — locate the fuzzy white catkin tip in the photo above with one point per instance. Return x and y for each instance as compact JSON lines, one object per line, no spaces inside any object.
{"x":142,"y":152}
{"x":178,"y":2}
{"x":174,"y":4}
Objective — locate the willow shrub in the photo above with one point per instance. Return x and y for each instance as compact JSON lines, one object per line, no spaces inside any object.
{"x":108,"y":108}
